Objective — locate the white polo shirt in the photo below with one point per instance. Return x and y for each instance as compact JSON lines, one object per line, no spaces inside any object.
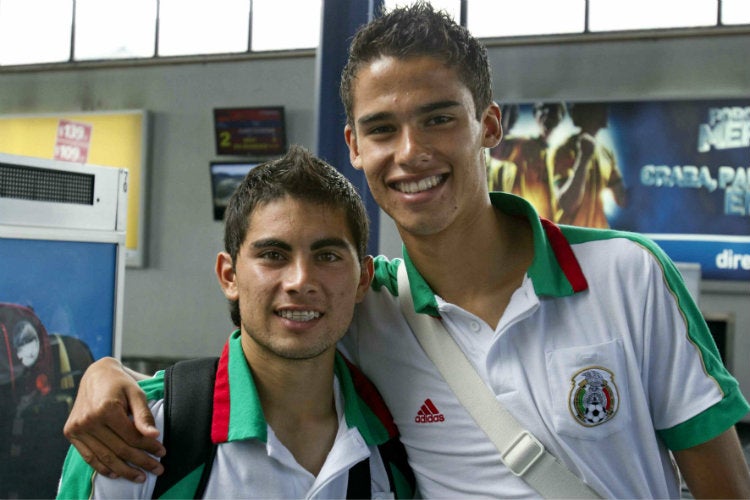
{"x":601,"y":354}
{"x":250,"y":461}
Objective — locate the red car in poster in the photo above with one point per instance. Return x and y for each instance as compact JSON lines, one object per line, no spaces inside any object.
{"x":39,"y":375}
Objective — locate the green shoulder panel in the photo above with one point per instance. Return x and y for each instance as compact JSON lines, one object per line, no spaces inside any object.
{"x":154,"y":386}
{"x":77,"y":477}
{"x":386,"y":274}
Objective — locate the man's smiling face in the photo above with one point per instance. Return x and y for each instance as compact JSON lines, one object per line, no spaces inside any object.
{"x":416,"y":137}
{"x":297,"y":278}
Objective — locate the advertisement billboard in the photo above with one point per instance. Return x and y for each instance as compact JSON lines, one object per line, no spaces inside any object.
{"x":677,"y":171}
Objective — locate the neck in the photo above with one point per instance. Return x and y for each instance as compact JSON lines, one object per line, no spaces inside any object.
{"x":487,"y":260}
{"x":298,"y":402}
{"x":292,"y":387}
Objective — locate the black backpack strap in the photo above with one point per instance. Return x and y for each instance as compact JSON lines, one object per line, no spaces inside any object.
{"x":393,"y":454}
{"x":359,"y":484}
{"x":188,"y":409}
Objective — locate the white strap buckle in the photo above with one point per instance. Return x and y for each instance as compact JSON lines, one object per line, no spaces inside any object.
{"x":522,"y":453}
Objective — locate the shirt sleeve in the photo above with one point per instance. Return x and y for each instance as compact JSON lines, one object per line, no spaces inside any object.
{"x":693,"y":396}
{"x":80,"y":481}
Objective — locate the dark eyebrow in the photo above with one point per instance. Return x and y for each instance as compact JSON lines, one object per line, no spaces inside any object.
{"x":434,"y":106}
{"x":425,"y":108}
{"x":272,"y":243}
{"x":317,"y":245}
{"x":374,"y":117}
{"x":329,"y":242}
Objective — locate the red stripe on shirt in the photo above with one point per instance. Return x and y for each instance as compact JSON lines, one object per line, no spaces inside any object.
{"x":370,"y":395}
{"x":565,"y":256}
{"x":220,"y":421}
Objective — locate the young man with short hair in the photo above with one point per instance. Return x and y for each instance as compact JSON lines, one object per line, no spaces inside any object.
{"x":286,"y":415}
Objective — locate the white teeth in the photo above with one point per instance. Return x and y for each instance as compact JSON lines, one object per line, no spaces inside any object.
{"x":299,"y":315}
{"x":422,"y":185}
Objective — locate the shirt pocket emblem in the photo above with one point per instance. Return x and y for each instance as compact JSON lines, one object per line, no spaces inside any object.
{"x":589,"y":390}
{"x":593,"y":398}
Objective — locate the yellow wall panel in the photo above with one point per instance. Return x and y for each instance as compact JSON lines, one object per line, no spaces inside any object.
{"x":118,"y":139}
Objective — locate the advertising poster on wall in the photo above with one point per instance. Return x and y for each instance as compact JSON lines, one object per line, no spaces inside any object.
{"x":56,"y":316}
{"x":677,"y":171}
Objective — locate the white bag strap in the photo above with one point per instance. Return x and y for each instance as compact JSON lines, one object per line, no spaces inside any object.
{"x":520,"y":451}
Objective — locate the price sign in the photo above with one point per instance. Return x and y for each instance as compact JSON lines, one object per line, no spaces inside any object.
{"x":73,"y":141}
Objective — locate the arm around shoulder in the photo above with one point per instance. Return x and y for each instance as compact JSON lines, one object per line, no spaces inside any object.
{"x":80,"y":480}
{"x":99,"y":426}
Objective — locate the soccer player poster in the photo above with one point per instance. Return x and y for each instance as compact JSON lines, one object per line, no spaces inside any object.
{"x":678,"y":171}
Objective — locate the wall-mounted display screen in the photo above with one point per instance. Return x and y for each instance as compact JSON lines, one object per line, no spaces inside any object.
{"x":259,"y":131}
{"x":225,"y":177}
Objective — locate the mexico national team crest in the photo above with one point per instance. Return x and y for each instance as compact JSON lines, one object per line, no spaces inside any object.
{"x":593,"y":398}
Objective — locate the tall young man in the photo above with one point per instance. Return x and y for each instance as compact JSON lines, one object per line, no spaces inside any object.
{"x":286,"y":417}
{"x":546,"y":314}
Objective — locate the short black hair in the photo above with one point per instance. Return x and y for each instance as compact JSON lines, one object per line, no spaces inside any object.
{"x":414,"y":31}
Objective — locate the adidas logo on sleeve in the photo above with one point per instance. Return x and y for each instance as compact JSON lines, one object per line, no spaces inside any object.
{"x":428,"y":413}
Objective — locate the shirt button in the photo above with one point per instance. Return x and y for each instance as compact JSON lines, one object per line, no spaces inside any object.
{"x":475,"y":326}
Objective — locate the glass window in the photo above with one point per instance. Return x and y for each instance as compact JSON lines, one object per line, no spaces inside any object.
{"x":285,"y":24}
{"x":35,"y":31}
{"x":39,"y":31}
{"x":493,"y":18}
{"x":115,"y":29}
{"x":199,"y":27}
{"x":616,"y":15}
{"x":735,"y":12}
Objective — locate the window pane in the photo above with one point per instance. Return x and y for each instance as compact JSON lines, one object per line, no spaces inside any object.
{"x":735,"y":12}
{"x":200,"y":27}
{"x":35,"y":31}
{"x":285,"y":24}
{"x":115,"y":29}
{"x":452,"y":7}
{"x":614,"y":15}
{"x":494,"y":18}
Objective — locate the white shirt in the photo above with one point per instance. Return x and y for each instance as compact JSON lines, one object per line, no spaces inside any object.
{"x":600,"y":315}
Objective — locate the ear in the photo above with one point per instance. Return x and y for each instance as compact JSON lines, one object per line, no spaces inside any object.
{"x":226,"y":275}
{"x":351,"y":140}
{"x":367,"y":271}
{"x":491,"y":124}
